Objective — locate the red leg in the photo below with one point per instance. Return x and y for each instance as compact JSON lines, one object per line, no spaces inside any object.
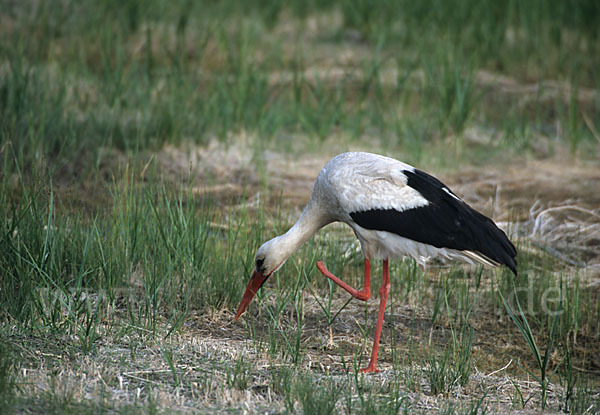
{"x":383,"y":295}
{"x":363,"y":294}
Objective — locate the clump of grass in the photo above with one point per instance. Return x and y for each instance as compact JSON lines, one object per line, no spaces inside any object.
{"x":450,"y":87}
{"x":169,"y":357}
{"x":581,"y":398}
{"x":299,"y":389}
{"x":316,"y":398}
{"x":239,"y":375}
{"x":7,"y":373}
{"x":281,"y":382}
{"x":443,"y":375}
{"x":542,"y":360}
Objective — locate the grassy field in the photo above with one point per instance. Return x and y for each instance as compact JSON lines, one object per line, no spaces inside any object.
{"x":147,"y":149}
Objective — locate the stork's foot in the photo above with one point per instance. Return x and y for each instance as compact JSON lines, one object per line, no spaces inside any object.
{"x":363,"y":294}
{"x":369,"y":369}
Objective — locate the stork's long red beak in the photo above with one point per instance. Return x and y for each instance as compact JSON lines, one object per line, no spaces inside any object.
{"x":256,"y":281}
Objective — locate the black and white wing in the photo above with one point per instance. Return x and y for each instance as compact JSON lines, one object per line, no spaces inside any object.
{"x":415,"y":205}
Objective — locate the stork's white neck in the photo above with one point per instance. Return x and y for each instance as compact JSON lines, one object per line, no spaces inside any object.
{"x":309,"y":222}
{"x":279,"y":249}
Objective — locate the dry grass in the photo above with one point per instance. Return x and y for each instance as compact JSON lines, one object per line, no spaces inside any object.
{"x":204,"y":357}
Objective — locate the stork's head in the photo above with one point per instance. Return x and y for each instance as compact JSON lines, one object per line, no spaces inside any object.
{"x":269,"y":258}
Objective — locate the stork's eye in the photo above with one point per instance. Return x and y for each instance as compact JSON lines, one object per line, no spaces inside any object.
{"x":259,"y":263}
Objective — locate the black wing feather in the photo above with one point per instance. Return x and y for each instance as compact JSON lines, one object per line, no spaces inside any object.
{"x":446,"y":222}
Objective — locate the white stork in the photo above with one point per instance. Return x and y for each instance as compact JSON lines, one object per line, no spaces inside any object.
{"x":394,"y":210}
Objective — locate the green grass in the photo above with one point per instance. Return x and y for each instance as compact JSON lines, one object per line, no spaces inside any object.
{"x":139,"y":75}
{"x":107,"y":245}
